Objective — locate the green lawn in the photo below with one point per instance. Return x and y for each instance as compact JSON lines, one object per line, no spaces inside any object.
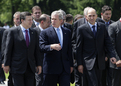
{"x":6,"y":75}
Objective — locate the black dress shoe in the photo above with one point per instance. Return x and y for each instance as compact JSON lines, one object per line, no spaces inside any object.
{"x":2,"y":82}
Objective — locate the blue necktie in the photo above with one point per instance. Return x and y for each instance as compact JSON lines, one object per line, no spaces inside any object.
{"x":107,"y":25}
{"x":94,"y":32}
{"x":27,"y":38}
{"x":59,"y":35}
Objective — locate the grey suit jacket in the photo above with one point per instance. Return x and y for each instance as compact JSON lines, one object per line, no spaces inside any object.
{"x":114,"y":31}
{"x":18,"y":55}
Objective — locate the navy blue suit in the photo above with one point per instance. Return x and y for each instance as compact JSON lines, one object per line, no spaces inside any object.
{"x":56,"y":62}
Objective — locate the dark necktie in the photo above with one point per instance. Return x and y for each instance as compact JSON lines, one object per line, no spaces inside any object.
{"x":27,"y":38}
{"x":59,"y":35}
{"x":94,"y":32}
{"x":107,"y":25}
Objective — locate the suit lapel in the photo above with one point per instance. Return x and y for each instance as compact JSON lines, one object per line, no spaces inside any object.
{"x":21,"y":36}
{"x":90,"y":31}
{"x":54,"y":35}
{"x":98,"y":28}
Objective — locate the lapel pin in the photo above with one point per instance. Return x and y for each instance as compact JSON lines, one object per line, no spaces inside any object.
{"x":32,"y":32}
{"x":65,"y":33}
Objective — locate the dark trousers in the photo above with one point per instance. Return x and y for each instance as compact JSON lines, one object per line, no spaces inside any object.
{"x":107,"y":75}
{"x":2,"y":75}
{"x":93,"y":76}
{"x":51,"y":79}
{"x":116,"y":77}
{"x":26,"y":79}
{"x":10,"y":82}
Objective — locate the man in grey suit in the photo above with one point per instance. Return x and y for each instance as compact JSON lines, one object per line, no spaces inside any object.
{"x":22,"y":52}
{"x":44,"y":22}
{"x":115,"y":35}
{"x":92,"y":39}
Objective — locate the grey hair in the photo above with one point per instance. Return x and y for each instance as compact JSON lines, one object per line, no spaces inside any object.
{"x":57,"y":13}
{"x":63,"y":12}
{"x":86,"y":10}
{"x":16,"y":13}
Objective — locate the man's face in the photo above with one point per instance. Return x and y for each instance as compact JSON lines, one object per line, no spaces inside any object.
{"x":16,"y":20}
{"x":91,"y":16}
{"x":36,"y":14}
{"x":55,"y":21}
{"x":47,"y":23}
{"x":106,"y":15}
{"x":27,"y":22}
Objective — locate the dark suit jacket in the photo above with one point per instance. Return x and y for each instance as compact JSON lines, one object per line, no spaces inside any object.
{"x":55,"y":61}
{"x":115,"y":35}
{"x":33,"y":25}
{"x":1,"y":35}
{"x":90,"y":48}
{"x":69,"y":26}
{"x":18,"y":55}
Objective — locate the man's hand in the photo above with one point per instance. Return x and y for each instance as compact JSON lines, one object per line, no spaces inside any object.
{"x":118,"y":63}
{"x":80,"y":68}
{"x":6,"y":69}
{"x":106,"y":58}
{"x":72,"y":69}
{"x":113,"y":60}
{"x":39,"y":69}
{"x":55,"y":47}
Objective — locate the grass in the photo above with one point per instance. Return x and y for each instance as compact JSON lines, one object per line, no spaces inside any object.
{"x":7,"y":74}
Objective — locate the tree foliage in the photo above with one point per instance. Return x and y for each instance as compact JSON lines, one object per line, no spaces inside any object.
{"x":9,"y":7}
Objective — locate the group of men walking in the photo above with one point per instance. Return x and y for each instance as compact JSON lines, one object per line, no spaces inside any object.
{"x":36,"y":52}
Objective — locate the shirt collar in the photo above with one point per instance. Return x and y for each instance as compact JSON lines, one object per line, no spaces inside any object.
{"x":92,"y":25}
{"x":35,"y":22}
{"x":41,"y":28}
{"x":23,"y":29}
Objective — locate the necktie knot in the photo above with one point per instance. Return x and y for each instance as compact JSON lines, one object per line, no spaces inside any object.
{"x":93,"y":26}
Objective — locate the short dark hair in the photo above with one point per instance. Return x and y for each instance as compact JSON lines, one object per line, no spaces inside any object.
{"x":35,"y":7}
{"x":24,"y":14}
{"x":105,"y":8}
{"x":69,"y":17}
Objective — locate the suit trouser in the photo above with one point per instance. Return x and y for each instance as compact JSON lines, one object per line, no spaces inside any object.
{"x":51,"y":79}
{"x":10,"y":82}
{"x":2,"y":75}
{"x":116,"y":77}
{"x":93,"y":76}
{"x":107,"y":75}
{"x":26,"y":79}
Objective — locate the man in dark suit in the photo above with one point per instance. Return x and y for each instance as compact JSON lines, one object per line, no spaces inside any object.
{"x":92,"y":39}
{"x":36,"y":13}
{"x":115,"y":35}
{"x":107,"y":72}
{"x":16,"y":20}
{"x":22,"y":52}
{"x":44,"y":22}
{"x":55,"y":42}
{"x":2,"y":75}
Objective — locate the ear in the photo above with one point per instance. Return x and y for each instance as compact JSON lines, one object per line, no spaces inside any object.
{"x":101,"y":13}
